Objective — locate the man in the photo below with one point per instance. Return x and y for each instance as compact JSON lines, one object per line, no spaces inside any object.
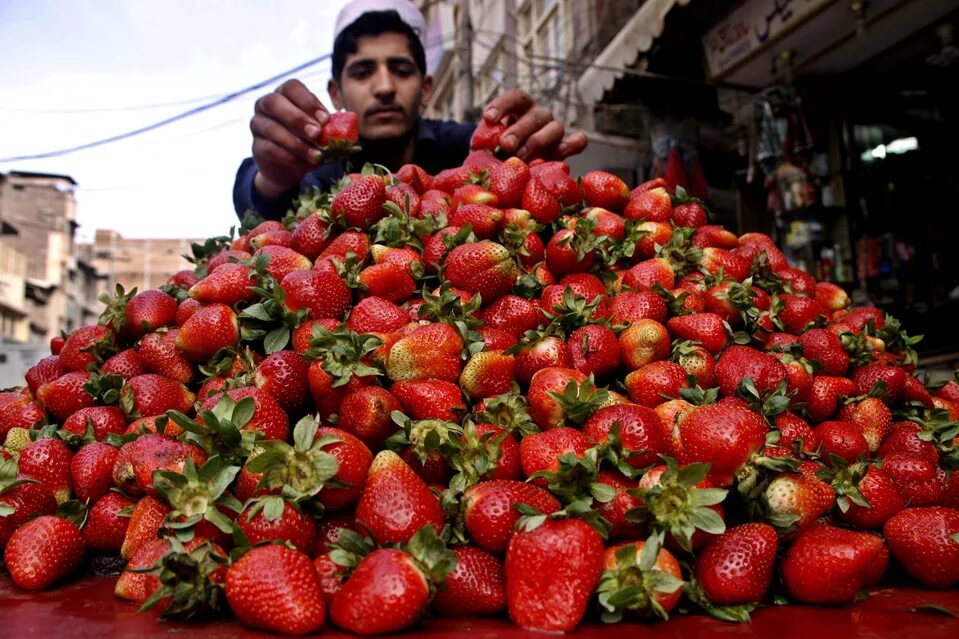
{"x":379,"y":72}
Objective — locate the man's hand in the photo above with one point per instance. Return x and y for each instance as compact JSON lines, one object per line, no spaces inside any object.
{"x":286,"y":125}
{"x":533,"y":133}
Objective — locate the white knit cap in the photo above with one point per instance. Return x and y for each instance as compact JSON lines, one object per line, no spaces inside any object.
{"x":407,"y":11}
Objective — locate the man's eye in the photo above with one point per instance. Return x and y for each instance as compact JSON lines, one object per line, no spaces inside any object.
{"x":358,"y":73}
{"x":404,"y":70}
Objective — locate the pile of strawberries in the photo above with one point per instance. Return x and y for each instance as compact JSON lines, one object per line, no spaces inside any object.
{"x":498,"y":390}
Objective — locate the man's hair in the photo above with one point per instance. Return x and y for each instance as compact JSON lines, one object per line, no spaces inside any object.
{"x":375,"y":23}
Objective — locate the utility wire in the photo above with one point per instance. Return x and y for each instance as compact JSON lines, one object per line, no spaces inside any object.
{"x":180,"y":116}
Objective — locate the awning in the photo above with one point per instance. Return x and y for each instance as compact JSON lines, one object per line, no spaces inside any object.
{"x":636,"y":37}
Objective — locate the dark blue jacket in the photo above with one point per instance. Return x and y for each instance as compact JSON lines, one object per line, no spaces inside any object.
{"x":439,"y":145}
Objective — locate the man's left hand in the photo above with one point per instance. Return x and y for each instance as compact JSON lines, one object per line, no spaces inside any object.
{"x":532,"y":133}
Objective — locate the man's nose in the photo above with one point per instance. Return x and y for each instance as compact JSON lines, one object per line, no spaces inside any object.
{"x":384,"y":85}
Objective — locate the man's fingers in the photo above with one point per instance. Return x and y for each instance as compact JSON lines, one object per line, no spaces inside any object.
{"x":515,"y":137}
{"x":543,"y":142}
{"x":513,"y":102}
{"x":278,"y":164}
{"x":279,"y":107}
{"x":272,"y":131}
{"x":305,"y":100}
{"x":572,"y":145}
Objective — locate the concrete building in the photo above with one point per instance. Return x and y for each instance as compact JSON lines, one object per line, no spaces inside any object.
{"x":136,"y":262}
{"x":38,"y":214}
{"x":476,"y":49}
{"x":14,"y":322}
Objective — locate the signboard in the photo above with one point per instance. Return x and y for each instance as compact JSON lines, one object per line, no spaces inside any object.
{"x":750,"y":27}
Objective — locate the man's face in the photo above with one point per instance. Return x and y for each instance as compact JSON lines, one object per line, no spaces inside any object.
{"x":382,"y":84}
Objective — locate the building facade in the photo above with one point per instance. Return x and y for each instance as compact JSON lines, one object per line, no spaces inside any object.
{"x":136,"y":262}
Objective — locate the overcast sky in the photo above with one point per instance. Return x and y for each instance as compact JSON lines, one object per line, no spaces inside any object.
{"x":106,"y":58}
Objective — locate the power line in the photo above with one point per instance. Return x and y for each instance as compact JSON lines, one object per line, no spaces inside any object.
{"x":180,"y":116}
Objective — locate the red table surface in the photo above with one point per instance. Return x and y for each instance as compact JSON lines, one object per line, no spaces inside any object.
{"x":87,"y":608}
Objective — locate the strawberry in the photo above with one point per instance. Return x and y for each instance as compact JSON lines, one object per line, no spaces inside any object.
{"x":539,"y":200}
{"x":595,"y":350}
{"x":872,"y":417}
{"x":706,"y":328}
{"x":486,"y":136}
{"x":904,"y":437}
{"x":360,"y":203}
{"x":794,"y":430}
{"x":282,"y":260}
{"x":183,"y":312}
{"x":541,"y":353}
{"x":926,"y":542}
{"x":43,"y":551}
{"x":405,"y":197}
{"x":376,"y":315}
{"x":650,"y":235}
{"x":390,"y":588}
{"x":798,"y":312}
{"x":893,"y":378}
{"x":81,"y":347}
{"x":274,"y":518}
{"x":347,"y":242}
{"x":484,"y":267}
{"x":475,"y":587}
{"x":20,"y":501}
{"x":541,"y":452}
{"x":831,"y":297}
{"x":638,"y":428}
{"x":653,"y":582}
{"x":311,"y":236}
{"x":387,"y":280}
{"x":643,"y":342}
{"x":353,"y":459}
{"x":648,"y":274}
{"x":551,"y":571}
{"x":512,"y":314}
{"x":65,"y":395}
{"x":487,"y":374}
{"x":843,"y":439}
{"x":799,"y":281}
{"x":341,"y":129}
{"x":548,"y":394}
{"x":489,"y":512}
{"x":149,"y":310}
{"x":91,"y":470}
{"x":653,"y":205}
{"x":18,"y":411}
{"x":738,"y":362}
{"x":630,"y":306}
{"x":429,"y":352}
{"x":136,"y":462}
{"x":429,"y":399}
{"x":46,"y":370}
{"x":226,"y":257}
{"x":395,"y":502}
{"x":710,"y":235}
{"x":277,"y":589}
{"x":696,"y":361}
{"x":322,"y":294}
{"x":871,"y":500}
{"x":829,"y":565}
{"x":921,"y":482}
{"x":656,"y":382}
{"x":47,"y":461}
{"x":824,"y":395}
{"x":268,"y":416}
{"x":105,"y":527}
{"x":690,"y":214}
{"x":824,"y":347}
{"x":737,"y":567}
{"x":158,"y":353}
{"x":508,"y":182}
{"x":605,"y":190}
{"x":725,"y":434}
{"x":152,"y":394}
{"x":366,"y":412}
{"x":283,"y":375}
{"x":796,"y":500}
{"x":229,"y":284}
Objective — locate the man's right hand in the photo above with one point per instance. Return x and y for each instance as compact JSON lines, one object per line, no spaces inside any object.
{"x":286,"y":126}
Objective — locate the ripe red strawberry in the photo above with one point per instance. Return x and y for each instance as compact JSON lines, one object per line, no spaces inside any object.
{"x":273,"y":518}
{"x":46,"y":370}
{"x":737,"y":567}
{"x":354,"y":460}
{"x":405,"y":197}
{"x":739,"y":362}
{"x":105,"y":527}
{"x":347,"y":242}
{"x":283,"y":260}
{"x":376,"y":315}
{"x":872,"y":417}
{"x":706,"y":328}
{"x":226,"y":257}
{"x":794,"y":429}
{"x":360,"y":203}
{"x":42,"y":552}
{"x":648,"y":273}
{"x":485,"y":267}
{"x":539,"y":200}
{"x":923,"y":540}
{"x":76,"y":354}
{"x":365,"y":413}
{"x":341,"y":129}
{"x":149,"y":310}
{"x":137,"y":460}
{"x":508,"y":182}
{"x":542,"y":353}
{"x":831,"y":296}
{"x":540,"y":452}
{"x":920,"y":481}
{"x":47,"y":461}
{"x":829,"y":565}
{"x":696,"y":361}
{"x":268,"y":416}
{"x":639,"y":430}
{"x":475,"y":587}
{"x":550,"y":411}
{"x":395,"y":502}
{"x":277,"y":589}
{"x":732,"y":264}
{"x":145,"y":521}
{"x":228,"y":284}
{"x":605,"y":190}
{"x":488,"y":374}
{"x":65,"y":395}
{"x":486,"y":136}
{"x":159,"y":354}
{"x":842,"y":438}
{"x":91,"y":470}
{"x":322,"y":294}
{"x":879,"y":492}
{"x":824,"y":396}
{"x":18,"y":411}
{"x":429,"y":352}
{"x":105,"y":420}
{"x":653,"y":205}
{"x":798,"y":312}
{"x":25,"y":500}
{"x":512,"y":314}
{"x":820,"y":345}
{"x":186,"y":308}
{"x":894,"y":378}
{"x":904,"y":438}
{"x":802,"y":283}
{"x":151,"y":394}
{"x":725,"y":434}
{"x":690,"y":214}
{"x":311,"y":236}
{"x":387,"y":280}
{"x":551,"y":571}
{"x":489,"y":512}
{"x":656,"y":382}
{"x":283,"y":376}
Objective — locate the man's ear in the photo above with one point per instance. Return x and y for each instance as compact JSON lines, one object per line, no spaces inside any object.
{"x":334,"y":90}
{"x":427,"y":94}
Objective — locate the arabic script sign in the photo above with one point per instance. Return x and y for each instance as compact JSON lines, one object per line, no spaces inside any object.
{"x":751,"y":26}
